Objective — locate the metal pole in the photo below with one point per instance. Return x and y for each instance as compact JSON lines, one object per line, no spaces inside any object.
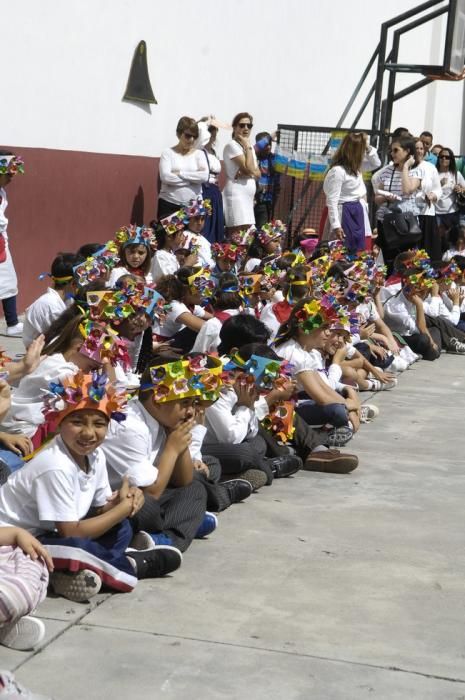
{"x":358,"y":88}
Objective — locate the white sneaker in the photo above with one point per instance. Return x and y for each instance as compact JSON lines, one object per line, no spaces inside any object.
{"x":24,"y":634}
{"x":398,"y":364}
{"x":377,"y":385}
{"x":367,"y":412}
{"x":15,"y":330}
{"x":457,"y":346}
{"x":10,"y":689}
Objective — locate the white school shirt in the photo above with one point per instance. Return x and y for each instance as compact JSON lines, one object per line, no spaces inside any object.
{"x":367,"y":312}
{"x":164,"y":262}
{"x":208,"y":338}
{"x":25,"y":413}
{"x":436,"y":308}
{"x":133,"y":447}
{"x":171,"y":325}
{"x":268,"y":317}
{"x":400,"y":315}
{"x":227,"y":423}
{"x":187,"y":184}
{"x":52,"y":488}
{"x":204,"y":248}
{"x":305,"y":361}
{"x":40,"y":315}
{"x":451,"y":253}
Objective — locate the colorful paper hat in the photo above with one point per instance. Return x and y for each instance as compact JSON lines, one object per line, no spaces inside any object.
{"x":450,"y":273}
{"x":228,"y":251}
{"x":197,"y":207}
{"x":97,"y":265}
{"x":271,"y":232}
{"x":103,"y":343}
{"x":189,"y":378}
{"x":136,"y":235}
{"x":326,"y":312}
{"x":129,"y":299}
{"x":202,"y":282}
{"x":84,"y":391}
{"x":250,"y":284}
{"x":265,"y":372}
{"x":244,"y":237}
{"x":11,"y":165}
{"x":174,"y":223}
{"x":280,"y":421}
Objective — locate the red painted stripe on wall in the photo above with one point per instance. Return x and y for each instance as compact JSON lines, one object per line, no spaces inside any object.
{"x":67,"y":198}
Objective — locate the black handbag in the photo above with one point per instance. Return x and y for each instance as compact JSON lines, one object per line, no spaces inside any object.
{"x":400,"y":228}
{"x":460,"y":199}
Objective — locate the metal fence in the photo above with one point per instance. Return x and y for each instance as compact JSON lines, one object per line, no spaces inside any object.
{"x":300,"y":200}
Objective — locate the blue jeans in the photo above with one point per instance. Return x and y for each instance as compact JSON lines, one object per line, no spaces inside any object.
{"x":335,"y":414}
{"x":12,"y":461}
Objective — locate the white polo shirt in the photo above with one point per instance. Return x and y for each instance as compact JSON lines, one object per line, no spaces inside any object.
{"x":134,"y":447}
{"x":52,"y":488}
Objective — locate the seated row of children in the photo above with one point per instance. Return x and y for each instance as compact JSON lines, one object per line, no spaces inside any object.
{"x":142,"y":408}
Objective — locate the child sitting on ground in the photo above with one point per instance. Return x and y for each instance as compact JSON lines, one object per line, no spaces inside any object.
{"x":63,"y":496}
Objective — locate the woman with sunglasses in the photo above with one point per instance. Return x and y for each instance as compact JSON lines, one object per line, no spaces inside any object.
{"x":397,"y":182}
{"x":242,"y":171}
{"x":183,"y":169}
{"x":452,"y":183}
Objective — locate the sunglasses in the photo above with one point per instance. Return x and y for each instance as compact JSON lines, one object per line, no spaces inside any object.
{"x":188,"y":136}
{"x":243,"y":125}
{"x":444,"y":157}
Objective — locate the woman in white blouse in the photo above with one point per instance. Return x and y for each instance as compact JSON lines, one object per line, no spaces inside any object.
{"x":183,"y":169}
{"x":346,"y":192}
{"x":242,"y":170}
{"x":452,"y":182}
{"x":213,"y":229}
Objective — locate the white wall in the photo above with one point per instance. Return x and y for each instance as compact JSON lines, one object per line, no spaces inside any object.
{"x":294,"y":61}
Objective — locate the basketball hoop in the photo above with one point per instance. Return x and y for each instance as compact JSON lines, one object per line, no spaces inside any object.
{"x":445,"y":76}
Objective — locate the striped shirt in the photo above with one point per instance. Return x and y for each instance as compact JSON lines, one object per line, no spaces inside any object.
{"x":390,"y":180}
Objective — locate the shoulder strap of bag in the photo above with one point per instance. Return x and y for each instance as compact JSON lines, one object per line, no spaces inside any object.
{"x":392,"y":178}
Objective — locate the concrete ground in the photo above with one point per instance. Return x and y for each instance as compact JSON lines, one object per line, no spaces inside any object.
{"x":321,"y":587}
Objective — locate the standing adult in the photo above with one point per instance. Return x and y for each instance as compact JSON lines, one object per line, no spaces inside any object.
{"x":183,"y":169}
{"x":10,"y":165}
{"x":427,"y":197}
{"x":346,"y":192}
{"x":268,"y":182}
{"x":213,"y":229}
{"x":397,"y":182}
{"x":452,"y":182}
{"x":242,"y":170}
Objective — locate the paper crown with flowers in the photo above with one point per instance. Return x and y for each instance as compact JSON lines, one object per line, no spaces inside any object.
{"x":250,"y":284}
{"x":450,"y":273}
{"x":227,"y":251}
{"x":97,"y":265}
{"x":420,"y":260}
{"x":201,"y":281}
{"x":195,"y":377}
{"x":197,"y":207}
{"x":84,"y":391}
{"x":244,"y":237}
{"x":271,"y":231}
{"x":11,"y":165}
{"x":326,"y":312}
{"x":174,"y":222}
{"x":265,"y":372}
{"x":136,"y":235}
{"x":418,"y":271}
{"x":103,"y":343}
{"x":280,"y":421}
{"x":131,"y":298}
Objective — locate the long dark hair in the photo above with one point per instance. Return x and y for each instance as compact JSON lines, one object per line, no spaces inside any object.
{"x":452,"y":163}
{"x":289,"y":329}
{"x":223,"y":299}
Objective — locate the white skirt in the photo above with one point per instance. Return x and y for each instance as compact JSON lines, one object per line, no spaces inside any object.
{"x":238,"y":201}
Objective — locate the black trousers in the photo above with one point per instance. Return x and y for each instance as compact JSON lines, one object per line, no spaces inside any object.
{"x":420,"y":343}
{"x":177,"y":513}
{"x":166,"y":208}
{"x":447,"y":331}
{"x":235,"y":459}
{"x":218,"y":497}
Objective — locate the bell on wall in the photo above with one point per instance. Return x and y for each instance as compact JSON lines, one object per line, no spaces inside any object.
{"x":138,"y":88}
